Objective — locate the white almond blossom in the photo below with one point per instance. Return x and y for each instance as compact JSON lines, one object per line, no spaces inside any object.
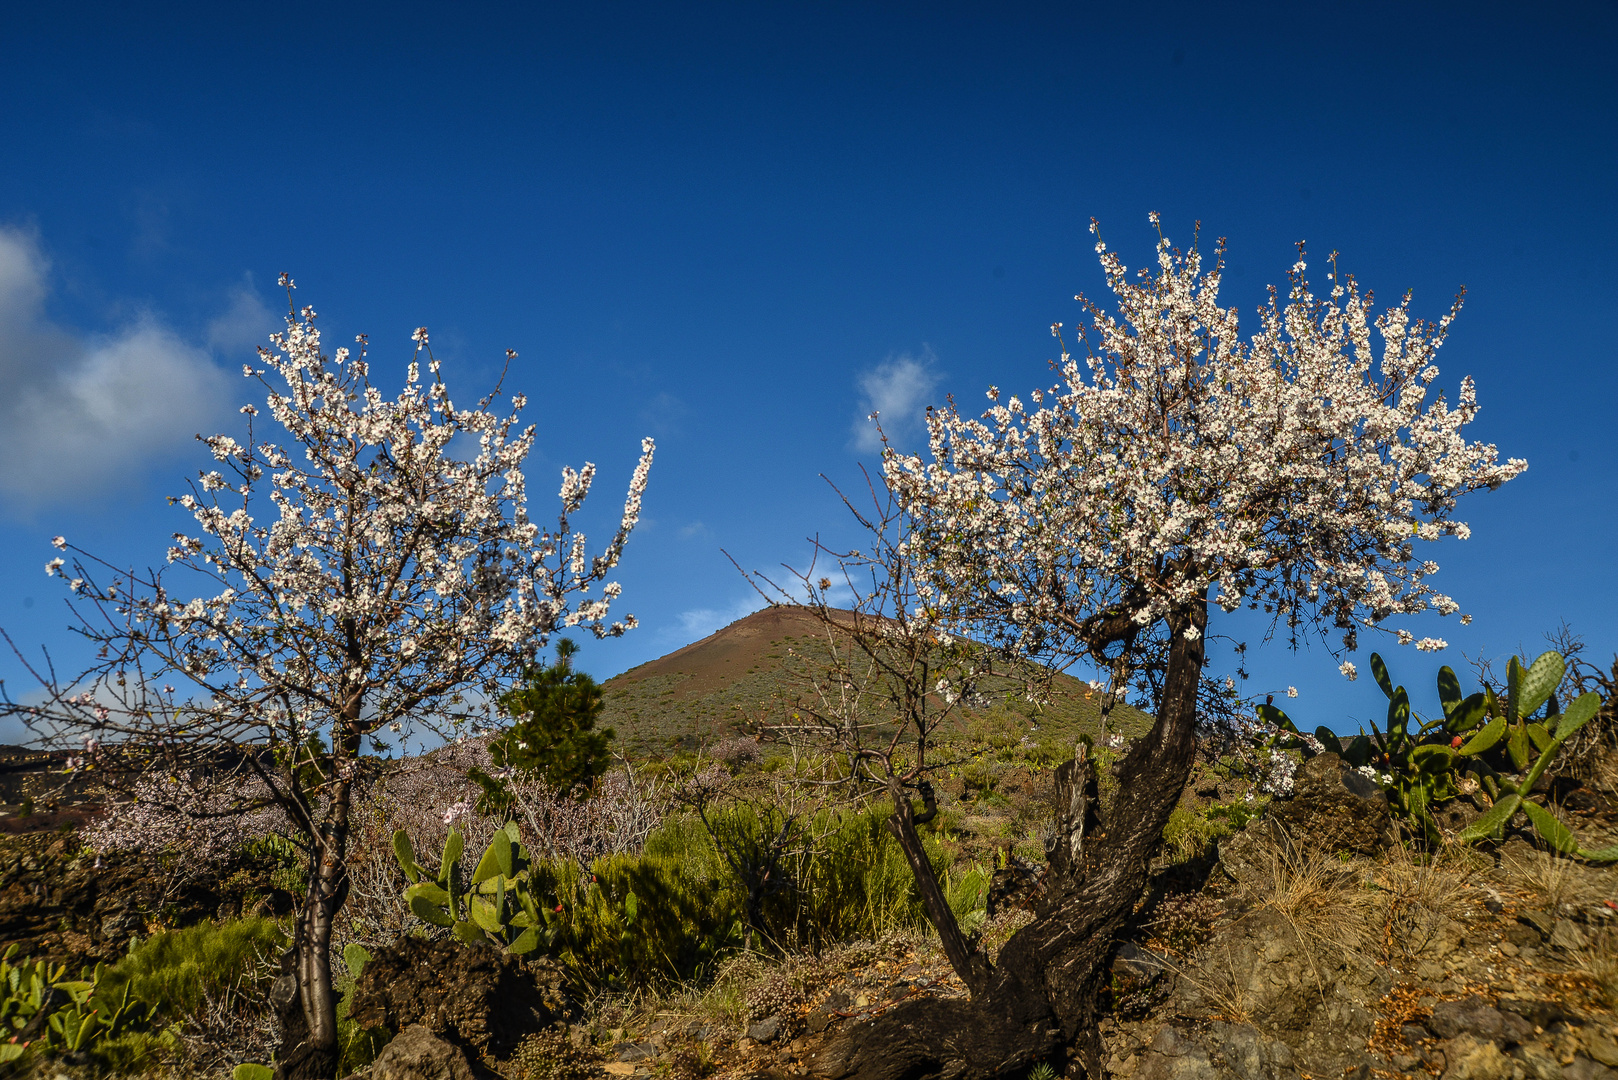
{"x":1291,"y":470}
{"x":364,"y":574}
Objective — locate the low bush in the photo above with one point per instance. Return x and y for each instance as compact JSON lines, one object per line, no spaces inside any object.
{"x":669,"y":914}
{"x":176,"y":970}
{"x":632,"y":921}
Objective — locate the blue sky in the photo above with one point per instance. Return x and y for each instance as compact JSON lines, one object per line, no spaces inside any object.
{"x":735,"y":227}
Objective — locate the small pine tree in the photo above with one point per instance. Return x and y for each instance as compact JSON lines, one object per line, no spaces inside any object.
{"x":554,"y":736}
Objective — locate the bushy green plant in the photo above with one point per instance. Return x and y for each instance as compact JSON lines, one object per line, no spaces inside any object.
{"x":1188,"y":832}
{"x":98,"y":1018}
{"x":978,"y":779}
{"x":29,"y":991}
{"x":175,"y":969}
{"x":359,"y":1045}
{"x":554,"y":736}
{"x":857,"y":883}
{"x":1511,"y":726}
{"x":635,"y":921}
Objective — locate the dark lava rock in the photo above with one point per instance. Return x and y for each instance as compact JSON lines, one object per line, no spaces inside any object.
{"x":1018,"y":884}
{"x":473,"y":995}
{"x":1476,"y":1017}
{"x":635,"y":1051}
{"x":1542,"y":922}
{"x":1175,"y":1056}
{"x":765,"y":1030}
{"x":1336,"y":807}
{"x":60,"y":903}
{"x":276,"y":902}
{"x":1536,"y":1012}
{"x":1136,"y":963}
{"x":417,"y":1054}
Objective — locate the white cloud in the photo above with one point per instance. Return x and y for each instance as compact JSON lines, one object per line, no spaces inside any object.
{"x":78,"y":412}
{"x":898,"y":390}
{"x":245,"y":324}
{"x":698,"y":623}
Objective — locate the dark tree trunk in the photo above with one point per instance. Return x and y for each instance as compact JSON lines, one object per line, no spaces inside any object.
{"x":964,"y":955}
{"x":1039,"y":1001}
{"x":304,"y":994}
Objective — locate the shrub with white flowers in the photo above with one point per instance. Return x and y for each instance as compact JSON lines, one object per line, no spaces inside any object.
{"x":1175,"y":463}
{"x":373,"y":568}
{"x":1292,"y":470}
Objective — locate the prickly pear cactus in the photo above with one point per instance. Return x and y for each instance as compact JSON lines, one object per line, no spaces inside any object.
{"x":502,"y":906}
{"x":1483,"y":748}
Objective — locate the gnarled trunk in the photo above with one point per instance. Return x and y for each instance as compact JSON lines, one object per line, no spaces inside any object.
{"x":965,"y":957}
{"x":304,"y":994}
{"x":1039,"y":1001}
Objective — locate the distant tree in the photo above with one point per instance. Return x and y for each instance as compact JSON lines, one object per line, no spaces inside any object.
{"x":553,"y":737}
{"x":377,"y":571}
{"x":1177,"y":464}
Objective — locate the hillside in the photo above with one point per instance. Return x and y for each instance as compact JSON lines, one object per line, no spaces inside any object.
{"x":700,"y":693}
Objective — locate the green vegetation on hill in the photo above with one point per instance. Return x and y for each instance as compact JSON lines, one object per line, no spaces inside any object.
{"x":756,"y":667}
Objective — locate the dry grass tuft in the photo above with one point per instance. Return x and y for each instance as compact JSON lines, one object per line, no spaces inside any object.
{"x":1419,"y":893}
{"x":1598,"y":961}
{"x":1545,"y":879}
{"x":1321,"y":897}
{"x":1222,"y":980}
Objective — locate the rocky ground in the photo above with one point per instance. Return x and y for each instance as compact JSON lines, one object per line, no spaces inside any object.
{"x":1288,"y":960}
{"x":1309,"y":944}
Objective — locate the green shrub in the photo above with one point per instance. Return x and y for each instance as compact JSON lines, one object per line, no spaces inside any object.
{"x":979,"y":779}
{"x":858,"y":883}
{"x":174,"y":969}
{"x":671,"y":913}
{"x":1188,"y":833}
{"x":634,"y":921}
{"x":1050,"y":752}
{"x":360,"y":1045}
{"x":998,"y":728}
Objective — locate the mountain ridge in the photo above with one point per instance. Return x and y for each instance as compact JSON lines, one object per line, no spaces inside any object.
{"x":713,"y":687}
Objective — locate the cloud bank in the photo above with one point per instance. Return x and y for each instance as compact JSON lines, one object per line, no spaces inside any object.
{"x":898,"y":390}
{"x":697,"y":623}
{"x":80,"y":413}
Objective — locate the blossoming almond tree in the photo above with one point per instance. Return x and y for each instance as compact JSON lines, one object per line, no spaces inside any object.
{"x":1174,"y":464}
{"x":376,"y":569}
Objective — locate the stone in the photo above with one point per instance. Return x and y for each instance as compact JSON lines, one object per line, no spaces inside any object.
{"x":635,"y":1051}
{"x":472,"y":995}
{"x":1468,"y":1016}
{"x":276,"y":902}
{"x":1173,"y":1056}
{"x":1137,"y":963}
{"x":1584,"y":1068}
{"x":1538,"y":1062}
{"x":417,"y":1054}
{"x":1567,"y":935}
{"x":1336,"y":807}
{"x":1603,"y":1049}
{"x":765,"y":1030}
{"x":1535,"y":1012}
{"x":1245,"y":856}
{"x":1473,"y":1059}
{"x":1543,"y":922}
